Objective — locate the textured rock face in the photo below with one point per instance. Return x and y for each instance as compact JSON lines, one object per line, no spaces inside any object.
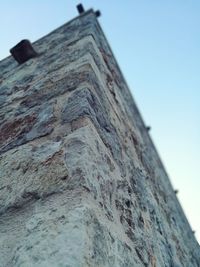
{"x":81,"y":183}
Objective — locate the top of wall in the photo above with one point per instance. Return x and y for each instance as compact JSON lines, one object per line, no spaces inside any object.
{"x":50,"y":44}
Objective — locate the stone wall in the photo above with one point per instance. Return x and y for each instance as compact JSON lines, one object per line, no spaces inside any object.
{"x":81,"y":183}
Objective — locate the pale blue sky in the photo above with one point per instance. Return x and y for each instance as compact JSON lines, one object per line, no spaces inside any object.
{"x":157,"y":45}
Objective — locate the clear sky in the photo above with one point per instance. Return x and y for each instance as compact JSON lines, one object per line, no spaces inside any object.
{"x":157,"y":45}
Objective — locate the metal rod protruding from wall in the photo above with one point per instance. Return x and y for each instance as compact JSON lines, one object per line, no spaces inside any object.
{"x":98,"y":13}
{"x":80,"y":8}
{"x":23,"y":51}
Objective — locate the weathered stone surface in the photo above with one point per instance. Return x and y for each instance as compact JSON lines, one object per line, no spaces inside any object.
{"x":21,"y":129}
{"x":81,"y":183}
{"x":83,"y":103}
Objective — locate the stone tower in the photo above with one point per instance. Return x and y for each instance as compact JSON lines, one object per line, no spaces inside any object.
{"x":81,"y":183}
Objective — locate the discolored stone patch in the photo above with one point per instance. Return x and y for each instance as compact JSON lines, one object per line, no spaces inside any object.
{"x":22,"y":129}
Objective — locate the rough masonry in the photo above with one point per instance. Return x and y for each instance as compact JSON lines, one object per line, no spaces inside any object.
{"x":81,"y":183}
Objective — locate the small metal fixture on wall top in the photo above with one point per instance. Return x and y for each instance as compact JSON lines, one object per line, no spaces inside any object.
{"x":148,"y":128}
{"x":176,"y":191}
{"x":80,"y":8}
{"x":23,"y":51}
{"x":98,"y":13}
